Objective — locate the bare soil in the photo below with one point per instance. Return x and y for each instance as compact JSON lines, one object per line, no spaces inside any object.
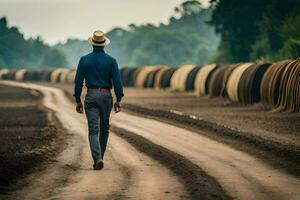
{"x":256,"y":129}
{"x":28,"y":136}
{"x":128,"y":173}
{"x":273,"y":136}
{"x":197,"y":182}
{"x":241,"y":175}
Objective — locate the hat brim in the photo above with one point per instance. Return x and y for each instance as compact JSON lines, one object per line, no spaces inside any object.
{"x":91,"y":42}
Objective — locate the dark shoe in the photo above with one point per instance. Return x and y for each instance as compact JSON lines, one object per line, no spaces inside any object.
{"x":98,"y":164}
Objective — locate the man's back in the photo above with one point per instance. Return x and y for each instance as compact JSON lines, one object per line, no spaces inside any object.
{"x":99,"y":70}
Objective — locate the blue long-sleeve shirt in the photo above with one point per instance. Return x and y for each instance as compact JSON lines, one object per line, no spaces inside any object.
{"x":100,"y":70}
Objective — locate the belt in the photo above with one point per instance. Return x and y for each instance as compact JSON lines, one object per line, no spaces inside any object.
{"x":100,"y":89}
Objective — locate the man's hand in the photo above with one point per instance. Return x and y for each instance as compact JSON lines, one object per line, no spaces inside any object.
{"x":117,"y":107}
{"x":79,"y":108}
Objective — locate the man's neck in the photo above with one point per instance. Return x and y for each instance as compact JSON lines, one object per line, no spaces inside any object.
{"x":98,"y":49}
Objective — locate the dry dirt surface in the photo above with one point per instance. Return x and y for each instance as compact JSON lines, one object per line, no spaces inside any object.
{"x":253,"y":119}
{"x":27,"y":135}
{"x":271,"y":136}
{"x":128,"y":173}
{"x":239,"y":174}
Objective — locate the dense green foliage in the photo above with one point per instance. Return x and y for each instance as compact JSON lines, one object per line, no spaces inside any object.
{"x":73,"y":49}
{"x":257,"y":29}
{"x":17,"y":52}
{"x":186,"y":38}
{"x":247,"y":30}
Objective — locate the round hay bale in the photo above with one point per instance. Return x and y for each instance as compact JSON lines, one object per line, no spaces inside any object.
{"x":19,"y":75}
{"x":215,"y":84}
{"x":249,"y":84}
{"x":142,"y":75}
{"x":62,"y":77}
{"x":122,"y":71}
{"x":233,"y":81}
{"x":130,"y":77}
{"x":45,"y":75}
{"x":3,"y":72}
{"x":10,"y":75}
{"x":31,"y":75}
{"x":149,"y":83}
{"x":227,"y":74}
{"x":269,"y":89}
{"x":71,"y":76}
{"x":159,"y":76}
{"x":135,"y":74}
{"x":179,"y":77}
{"x":165,"y":81}
{"x":124,"y":75}
{"x":202,"y":78}
{"x":55,"y":75}
{"x":289,"y":88}
{"x":190,"y":80}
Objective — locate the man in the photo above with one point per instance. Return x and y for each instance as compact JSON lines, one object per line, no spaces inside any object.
{"x":100,"y":71}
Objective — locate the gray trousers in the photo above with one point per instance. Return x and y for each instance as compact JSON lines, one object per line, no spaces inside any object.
{"x":97,"y":107}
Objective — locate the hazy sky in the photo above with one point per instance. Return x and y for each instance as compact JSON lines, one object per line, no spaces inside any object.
{"x":56,"y":20}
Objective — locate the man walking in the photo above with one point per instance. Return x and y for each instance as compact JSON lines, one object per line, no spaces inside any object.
{"x":100,"y":71}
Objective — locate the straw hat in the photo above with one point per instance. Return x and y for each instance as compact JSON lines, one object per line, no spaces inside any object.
{"x":98,"y":39}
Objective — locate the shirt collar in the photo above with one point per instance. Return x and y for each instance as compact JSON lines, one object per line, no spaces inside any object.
{"x":95,"y":49}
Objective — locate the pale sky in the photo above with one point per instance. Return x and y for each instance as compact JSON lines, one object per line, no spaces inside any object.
{"x":57,"y":20}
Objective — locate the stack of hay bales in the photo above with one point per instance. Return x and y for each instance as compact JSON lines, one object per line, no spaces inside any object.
{"x":178,"y":80}
{"x":203,"y":77}
{"x":277,"y":84}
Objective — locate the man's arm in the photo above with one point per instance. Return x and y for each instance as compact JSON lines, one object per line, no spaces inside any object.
{"x":118,"y":88}
{"x":79,"y":77}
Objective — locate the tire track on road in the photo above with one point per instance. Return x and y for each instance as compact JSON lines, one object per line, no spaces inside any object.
{"x":127,"y":173}
{"x":240,"y":174}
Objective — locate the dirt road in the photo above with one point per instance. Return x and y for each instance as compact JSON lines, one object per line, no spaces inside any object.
{"x":128,"y":175}
{"x":241,"y":175}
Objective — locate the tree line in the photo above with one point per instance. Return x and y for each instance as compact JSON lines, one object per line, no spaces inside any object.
{"x":186,"y":38}
{"x":17,"y":52}
{"x":226,"y":32}
{"x":256,"y":29}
